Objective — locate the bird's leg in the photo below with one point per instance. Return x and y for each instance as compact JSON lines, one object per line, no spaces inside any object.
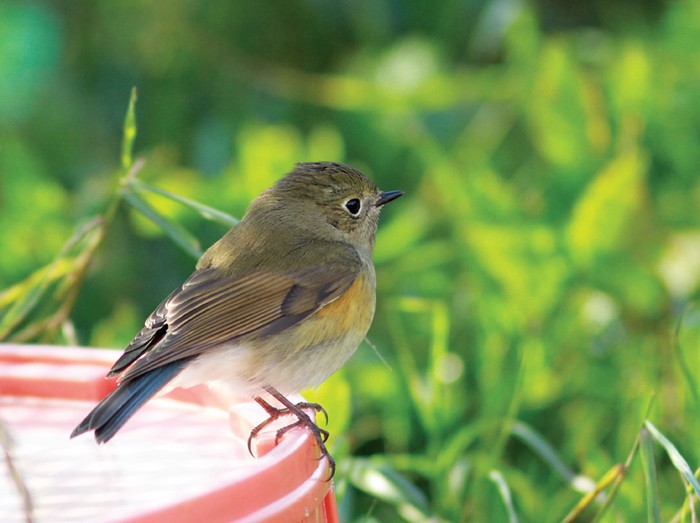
{"x":274,"y":413}
{"x":303,"y":420}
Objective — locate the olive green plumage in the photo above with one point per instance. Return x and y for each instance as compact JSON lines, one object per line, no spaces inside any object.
{"x":280,"y":302}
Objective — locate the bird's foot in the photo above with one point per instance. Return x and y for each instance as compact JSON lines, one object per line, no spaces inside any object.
{"x":303,"y":420}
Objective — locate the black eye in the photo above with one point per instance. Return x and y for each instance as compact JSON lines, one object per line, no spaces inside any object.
{"x":353,"y":206}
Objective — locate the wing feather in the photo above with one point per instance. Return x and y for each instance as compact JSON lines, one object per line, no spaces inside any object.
{"x":211,"y":309}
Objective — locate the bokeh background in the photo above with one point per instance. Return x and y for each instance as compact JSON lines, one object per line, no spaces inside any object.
{"x":538,"y":283}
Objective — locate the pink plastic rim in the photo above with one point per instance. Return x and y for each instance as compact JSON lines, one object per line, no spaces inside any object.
{"x":187,"y":441}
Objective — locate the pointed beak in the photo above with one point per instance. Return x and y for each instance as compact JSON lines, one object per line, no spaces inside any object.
{"x":387,"y":196}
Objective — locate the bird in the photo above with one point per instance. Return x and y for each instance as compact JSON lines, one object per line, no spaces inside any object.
{"x":275,"y":306}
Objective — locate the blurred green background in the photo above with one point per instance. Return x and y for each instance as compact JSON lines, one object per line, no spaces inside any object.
{"x":538,"y":283}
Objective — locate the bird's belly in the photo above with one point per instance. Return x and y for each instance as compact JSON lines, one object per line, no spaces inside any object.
{"x":243,"y":370}
{"x":300,"y":357}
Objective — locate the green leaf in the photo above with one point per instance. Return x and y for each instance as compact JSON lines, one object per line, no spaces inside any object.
{"x":335,"y":395}
{"x":651,"y":479}
{"x":24,"y":297}
{"x":28,"y":294}
{"x":603,"y":215}
{"x":504,"y":491}
{"x":129,"y":132}
{"x":428,"y":389}
{"x":205,"y":211}
{"x":176,"y":232}
{"x":676,"y":458}
{"x":383,"y":482}
{"x":687,"y":332}
{"x":566,"y":122}
{"x":543,"y":449}
{"x":527,"y":262}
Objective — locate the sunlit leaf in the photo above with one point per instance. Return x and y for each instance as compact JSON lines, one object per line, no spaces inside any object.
{"x":565,"y":110}
{"x":613,"y":477}
{"x":28,"y":293}
{"x":204,"y":210}
{"x":676,"y":457}
{"x":22,"y":299}
{"x":633,"y":76}
{"x":525,"y":261}
{"x":686,"y":341}
{"x":608,"y":207}
{"x":129,"y":132}
{"x":335,"y":396}
{"x":650,"y":476}
{"x":386,"y":484}
{"x":504,"y":492}
{"x":549,"y":455}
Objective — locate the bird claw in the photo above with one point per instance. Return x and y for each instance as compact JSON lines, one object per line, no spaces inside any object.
{"x":303,"y":420}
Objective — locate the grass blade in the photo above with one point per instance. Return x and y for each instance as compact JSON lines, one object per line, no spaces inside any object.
{"x":22,"y":299}
{"x":177,"y":233}
{"x":612,"y":476}
{"x":676,"y":458}
{"x":504,"y":491}
{"x":542,"y":448}
{"x":617,"y":481}
{"x":690,"y":316}
{"x":30,"y":292}
{"x":129,"y":132}
{"x":646,"y":448}
{"x":383,"y":482}
{"x":205,"y":211}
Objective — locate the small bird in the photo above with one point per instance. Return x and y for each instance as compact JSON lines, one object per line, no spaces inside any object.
{"x":276,"y":306}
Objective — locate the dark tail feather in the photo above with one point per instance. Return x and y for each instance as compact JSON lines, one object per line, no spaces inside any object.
{"x":113,"y":411}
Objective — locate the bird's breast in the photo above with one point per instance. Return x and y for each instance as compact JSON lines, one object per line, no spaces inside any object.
{"x":349,"y":315}
{"x":296,"y":358}
{"x":306,"y":354}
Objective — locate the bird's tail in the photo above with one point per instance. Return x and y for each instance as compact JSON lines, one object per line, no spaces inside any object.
{"x":115,"y":410}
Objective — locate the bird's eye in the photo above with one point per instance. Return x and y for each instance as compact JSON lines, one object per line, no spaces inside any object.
{"x":353,"y":206}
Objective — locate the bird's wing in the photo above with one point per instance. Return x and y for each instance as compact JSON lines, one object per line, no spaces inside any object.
{"x":211,"y":309}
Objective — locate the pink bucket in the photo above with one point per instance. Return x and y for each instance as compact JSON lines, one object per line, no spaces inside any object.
{"x":181,"y":458}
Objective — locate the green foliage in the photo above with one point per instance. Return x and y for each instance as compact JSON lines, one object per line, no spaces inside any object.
{"x":538,"y":283}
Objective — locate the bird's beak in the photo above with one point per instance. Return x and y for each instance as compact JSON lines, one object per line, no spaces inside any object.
{"x":387,"y":196}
